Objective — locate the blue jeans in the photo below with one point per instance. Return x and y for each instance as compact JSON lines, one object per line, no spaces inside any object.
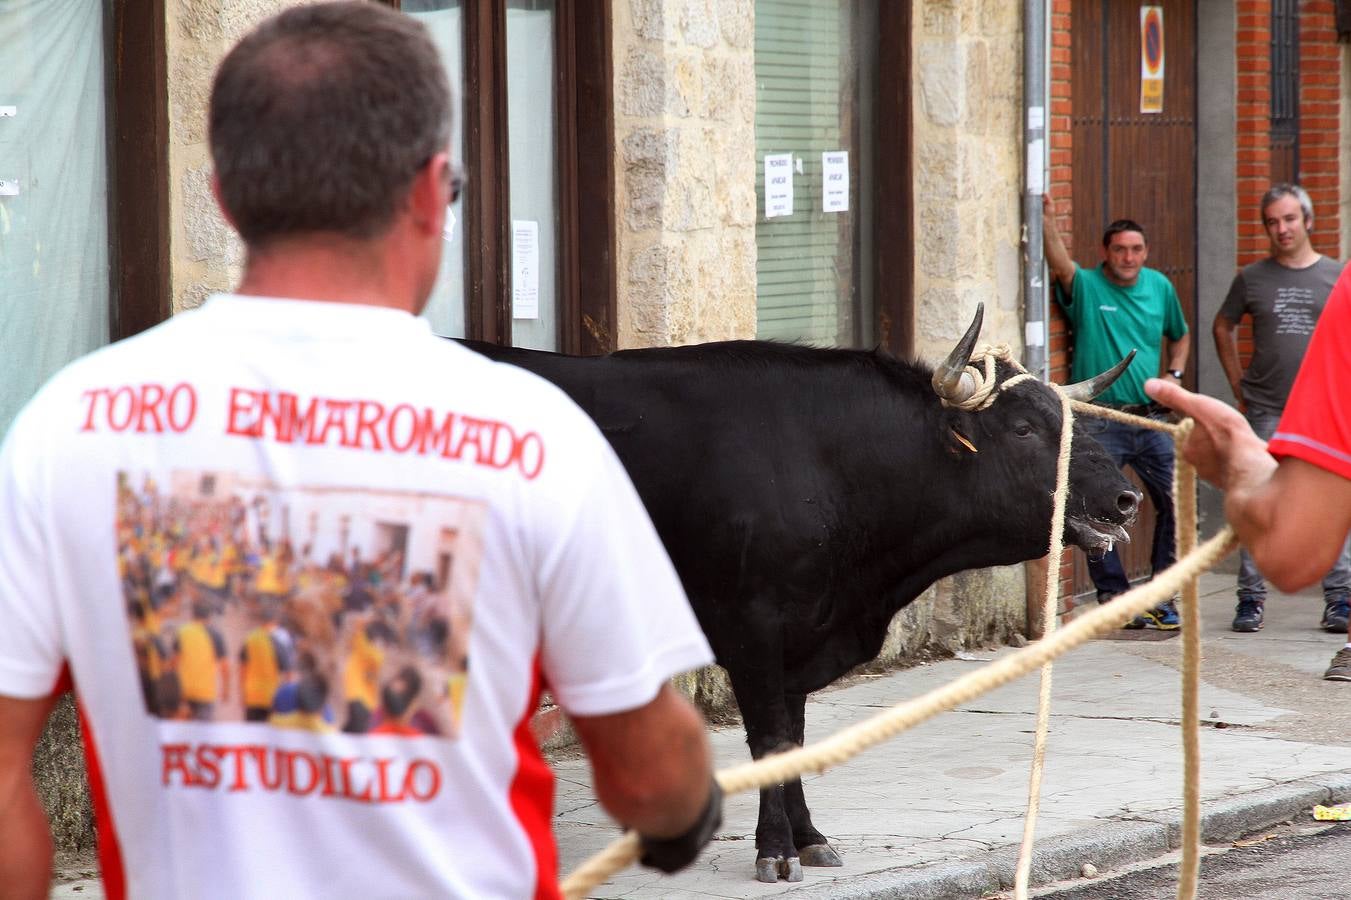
{"x":1251,"y":584}
{"x":1150,"y":454}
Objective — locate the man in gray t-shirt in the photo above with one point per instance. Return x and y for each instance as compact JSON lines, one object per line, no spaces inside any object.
{"x":1284,"y":294}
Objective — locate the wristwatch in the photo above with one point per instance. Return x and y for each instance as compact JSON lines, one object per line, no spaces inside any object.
{"x":1176,"y":373}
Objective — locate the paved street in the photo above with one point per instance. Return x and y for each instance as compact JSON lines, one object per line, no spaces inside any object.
{"x":937,"y":811}
{"x":1304,"y":861}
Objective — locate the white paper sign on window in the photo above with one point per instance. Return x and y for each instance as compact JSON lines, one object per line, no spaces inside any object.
{"x":835,"y":181}
{"x":778,"y":184}
{"x":525,"y":269}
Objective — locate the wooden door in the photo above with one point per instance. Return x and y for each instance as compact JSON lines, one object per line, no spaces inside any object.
{"x":1134,"y":165}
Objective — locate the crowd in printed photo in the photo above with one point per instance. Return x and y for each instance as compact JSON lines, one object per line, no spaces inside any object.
{"x":232,"y":621}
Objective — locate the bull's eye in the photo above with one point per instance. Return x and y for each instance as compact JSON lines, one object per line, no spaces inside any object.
{"x":1022,"y":429}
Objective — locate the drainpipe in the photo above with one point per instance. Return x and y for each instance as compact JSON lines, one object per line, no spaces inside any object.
{"x":1036,"y":38}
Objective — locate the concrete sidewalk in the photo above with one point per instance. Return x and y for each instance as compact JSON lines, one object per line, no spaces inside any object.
{"x":938,"y":811}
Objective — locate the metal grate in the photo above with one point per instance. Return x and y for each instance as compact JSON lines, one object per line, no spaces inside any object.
{"x":1285,"y":68}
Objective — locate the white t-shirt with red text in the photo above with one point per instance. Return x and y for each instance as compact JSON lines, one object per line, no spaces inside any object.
{"x":426,"y":539}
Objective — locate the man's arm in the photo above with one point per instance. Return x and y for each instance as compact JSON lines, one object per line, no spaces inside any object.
{"x":1178,"y":352}
{"x":25,"y":839}
{"x":1226,"y":346}
{"x":1057,"y":257}
{"x":1292,"y":516}
{"x":652,"y":765}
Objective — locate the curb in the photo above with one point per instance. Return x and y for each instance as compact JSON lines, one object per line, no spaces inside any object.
{"x":1112,"y":845}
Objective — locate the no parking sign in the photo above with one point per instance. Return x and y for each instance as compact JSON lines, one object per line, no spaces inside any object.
{"x":1151,"y":59}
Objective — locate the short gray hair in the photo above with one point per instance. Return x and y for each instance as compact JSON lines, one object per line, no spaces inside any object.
{"x":1286,"y":189}
{"x":322,"y":116}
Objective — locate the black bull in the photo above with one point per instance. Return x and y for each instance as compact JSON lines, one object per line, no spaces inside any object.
{"x":806,"y":495}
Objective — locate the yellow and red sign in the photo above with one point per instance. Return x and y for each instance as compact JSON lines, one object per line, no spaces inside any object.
{"x":1151,"y":59}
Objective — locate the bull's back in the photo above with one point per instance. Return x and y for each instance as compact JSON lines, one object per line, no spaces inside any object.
{"x":723,"y":442}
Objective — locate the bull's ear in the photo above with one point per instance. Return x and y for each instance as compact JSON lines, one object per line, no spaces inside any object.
{"x":1092,"y":387}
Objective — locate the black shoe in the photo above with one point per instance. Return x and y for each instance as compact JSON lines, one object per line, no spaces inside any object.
{"x":1335,"y":612}
{"x":1248,"y":616}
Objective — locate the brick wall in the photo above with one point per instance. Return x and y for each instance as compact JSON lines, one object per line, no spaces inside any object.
{"x":1060,"y":180}
{"x":1319,"y":128}
{"x":1252,"y":124}
{"x":1319,"y":122}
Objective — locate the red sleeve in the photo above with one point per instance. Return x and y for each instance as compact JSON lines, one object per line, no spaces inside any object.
{"x":1316,"y":425}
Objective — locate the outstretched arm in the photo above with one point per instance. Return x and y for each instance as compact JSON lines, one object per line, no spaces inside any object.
{"x":653,"y":768}
{"x":25,"y":839}
{"x":1292,"y":516}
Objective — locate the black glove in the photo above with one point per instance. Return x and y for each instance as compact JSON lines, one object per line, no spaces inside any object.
{"x":675,"y":853}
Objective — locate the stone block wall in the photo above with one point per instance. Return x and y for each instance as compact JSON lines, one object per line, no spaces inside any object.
{"x":205,"y":254}
{"x":967,"y":94}
{"x":968,"y":169}
{"x":684,"y":94}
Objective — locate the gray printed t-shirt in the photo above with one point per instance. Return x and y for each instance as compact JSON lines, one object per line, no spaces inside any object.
{"x":1285,"y":305}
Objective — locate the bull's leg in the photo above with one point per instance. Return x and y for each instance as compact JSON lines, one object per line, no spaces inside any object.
{"x":811,"y":844}
{"x":760,"y":696}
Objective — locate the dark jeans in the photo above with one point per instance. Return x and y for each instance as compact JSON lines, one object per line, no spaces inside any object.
{"x":1150,"y":454}
{"x":1251,"y":584}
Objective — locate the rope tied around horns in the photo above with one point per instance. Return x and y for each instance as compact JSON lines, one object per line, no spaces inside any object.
{"x":1096,"y":621}
{"x":985,"y":378}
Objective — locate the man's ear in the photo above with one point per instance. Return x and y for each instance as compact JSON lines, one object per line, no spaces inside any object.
{"x":220,"y":203}
{"x":430,"y":194}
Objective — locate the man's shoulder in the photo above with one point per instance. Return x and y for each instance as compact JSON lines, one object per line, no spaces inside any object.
{"x":1262,"y":268}
{"x":1155,"y":283}
{"x":1090,"y":277}
{"x":1328,"y":266}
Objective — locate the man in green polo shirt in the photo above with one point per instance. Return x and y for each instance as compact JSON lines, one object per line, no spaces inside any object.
{"x":1114,"y":308}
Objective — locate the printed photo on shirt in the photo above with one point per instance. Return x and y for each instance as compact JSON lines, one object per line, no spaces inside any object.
{"x":321,"y":609}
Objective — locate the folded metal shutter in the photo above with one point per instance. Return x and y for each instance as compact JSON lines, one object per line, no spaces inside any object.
{"x":804,"y":100}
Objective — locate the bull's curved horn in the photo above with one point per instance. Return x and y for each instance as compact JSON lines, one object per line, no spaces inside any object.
{"x":1087,"y":390}
{"x":947,"y":380}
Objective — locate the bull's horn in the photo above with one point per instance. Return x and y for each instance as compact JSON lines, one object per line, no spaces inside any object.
{"x":947,"y":381}
{"x":1087,"y":390}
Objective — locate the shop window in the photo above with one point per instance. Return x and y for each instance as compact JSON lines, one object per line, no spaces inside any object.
{"x":527,"y":263}
{"x":815,"y":136}
{"x":83,"y":193}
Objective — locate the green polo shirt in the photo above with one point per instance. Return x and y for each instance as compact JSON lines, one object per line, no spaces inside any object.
{"x":1110,"y":321}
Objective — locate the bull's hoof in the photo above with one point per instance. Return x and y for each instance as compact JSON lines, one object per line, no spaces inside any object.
{"x":819,"y":855}
{"x":769,"y":869}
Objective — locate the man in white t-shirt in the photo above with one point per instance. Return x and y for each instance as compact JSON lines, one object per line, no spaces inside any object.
{"x":315,"y":393}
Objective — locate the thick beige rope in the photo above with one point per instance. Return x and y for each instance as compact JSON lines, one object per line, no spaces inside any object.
{"x":849,"y":742}
{"x":1050,"y":602}
{"x":1184,"y":494}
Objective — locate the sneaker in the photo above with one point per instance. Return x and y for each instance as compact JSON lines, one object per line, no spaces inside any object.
{"x":1134,"y":624}
{"x":1248,"y":616}
{"x":1340,"y":670}
{"x":1335,"y":613}
{"x":1163,"y":617}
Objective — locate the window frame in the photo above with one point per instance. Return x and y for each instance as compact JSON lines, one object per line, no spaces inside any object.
{"x":892,"y":191}
{"x":138,"y":178}
{"x":584,"y":118}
